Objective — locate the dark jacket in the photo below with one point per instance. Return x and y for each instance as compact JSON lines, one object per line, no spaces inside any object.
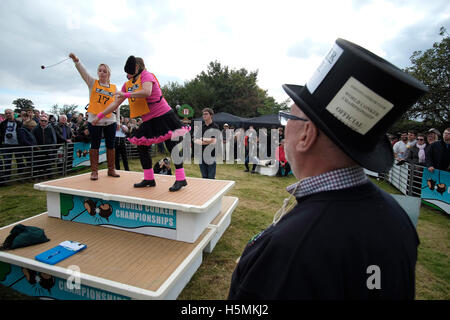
{"x":3,"y":126}
{"x":328,"y":247}
{"x":80,"y":135}
{"x":27,"y":137}
{"x":45,"y":136}
{"x":59,"y":132}
{"x":412,"y":155}
{"x":438,"y":155}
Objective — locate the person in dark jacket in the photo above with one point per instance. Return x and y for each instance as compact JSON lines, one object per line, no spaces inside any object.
{"x":82,"y":133}
{"x":64,"y":135}
{"x":28,"y":140}
{"x":344,"y":238}
{"x":45,"y":137}
{"x":163,"y":167}
{"x":438,"y":156}
{"x":62,"y":130}
{"x":27,"y":137}
{"x":416,"y":154}
{"x":9,"y":142}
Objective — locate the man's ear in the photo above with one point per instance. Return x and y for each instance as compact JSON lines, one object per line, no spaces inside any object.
{"x":307,"y":137}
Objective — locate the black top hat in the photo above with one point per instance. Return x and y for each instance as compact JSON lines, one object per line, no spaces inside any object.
{"x":130,"y":65}
{"x":354,"y":97}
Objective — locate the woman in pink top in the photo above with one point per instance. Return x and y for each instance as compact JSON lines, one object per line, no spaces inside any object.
{"x":160,"y":122}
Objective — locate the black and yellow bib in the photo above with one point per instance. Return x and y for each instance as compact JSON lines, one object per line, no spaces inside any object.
{"x":138,"y":106}
{"x":101,"y":97}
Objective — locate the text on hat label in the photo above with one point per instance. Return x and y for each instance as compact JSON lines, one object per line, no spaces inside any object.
{"x":358,"y":107}
{"x":326,"y":65}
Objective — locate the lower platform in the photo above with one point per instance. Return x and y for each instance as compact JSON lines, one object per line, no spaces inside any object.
{"x":115,"y":265}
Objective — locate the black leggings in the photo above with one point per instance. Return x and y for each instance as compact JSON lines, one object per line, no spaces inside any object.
{"x":109,"y":132}
{"x":146,"y":158}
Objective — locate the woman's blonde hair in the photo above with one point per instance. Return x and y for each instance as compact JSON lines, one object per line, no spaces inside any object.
{"x":107,"y":69}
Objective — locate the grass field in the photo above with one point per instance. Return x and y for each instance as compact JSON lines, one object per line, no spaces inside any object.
{"x":259,"y":198}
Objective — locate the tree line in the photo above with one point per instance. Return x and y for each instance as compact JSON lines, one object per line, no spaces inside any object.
{"x":224,"y":90}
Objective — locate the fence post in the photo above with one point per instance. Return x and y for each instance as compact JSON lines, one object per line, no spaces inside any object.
{"x":411,"y":178}
{"x":65,"y":159}
{"x":32,"y":162}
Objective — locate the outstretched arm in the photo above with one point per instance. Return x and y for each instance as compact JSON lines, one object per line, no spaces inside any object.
{"x":146,"y":91}
{"x":113,"y":106}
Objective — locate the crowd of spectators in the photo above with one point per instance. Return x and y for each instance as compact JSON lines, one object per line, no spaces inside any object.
{"x":67,"y":128}
{"x":18,"y":132}
{"x":429,"y":149}
{"x":37,"y":132}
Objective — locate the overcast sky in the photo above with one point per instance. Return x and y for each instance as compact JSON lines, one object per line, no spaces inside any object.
{"x":284,"y":40}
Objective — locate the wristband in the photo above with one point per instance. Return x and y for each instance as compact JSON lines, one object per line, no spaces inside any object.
{"x":127,"y":95}
{"x":100,"y":115}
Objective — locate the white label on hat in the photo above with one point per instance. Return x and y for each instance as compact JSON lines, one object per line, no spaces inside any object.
{"x":326,"y":65}
{"x":358,"y":107}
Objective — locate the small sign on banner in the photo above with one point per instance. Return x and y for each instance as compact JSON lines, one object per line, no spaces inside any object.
{"x":81,"y":153}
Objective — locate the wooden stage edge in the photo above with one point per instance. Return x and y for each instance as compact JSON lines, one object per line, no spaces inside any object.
{"x":198,"y":196}
{"x":124,"y":263}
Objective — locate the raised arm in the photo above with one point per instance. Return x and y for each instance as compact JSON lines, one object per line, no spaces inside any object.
{"x":82,"y":70}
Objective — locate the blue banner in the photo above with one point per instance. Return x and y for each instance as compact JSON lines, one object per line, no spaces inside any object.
{"x":81,"y":153}
{"x":39,"y":284}
{"x":436,"y":189}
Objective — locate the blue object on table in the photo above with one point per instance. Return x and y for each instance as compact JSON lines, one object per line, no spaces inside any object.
{"x":64,"y":250}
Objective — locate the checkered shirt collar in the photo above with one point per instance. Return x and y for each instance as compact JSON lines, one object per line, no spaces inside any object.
{"x":332,"y":180}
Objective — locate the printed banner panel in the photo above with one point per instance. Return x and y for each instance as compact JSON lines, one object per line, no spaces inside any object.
{"x":81,"y":153}
{"x":436,"y":188}
{"x":42,"y":285}
{"x":114,"y":213}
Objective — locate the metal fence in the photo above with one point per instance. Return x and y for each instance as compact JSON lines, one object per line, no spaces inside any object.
{"x":46,"y":161}
{"x":42,"y":161}
{"x":407,"y":178}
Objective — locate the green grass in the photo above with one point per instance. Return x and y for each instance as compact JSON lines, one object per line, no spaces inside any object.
{"x":259,"y":198}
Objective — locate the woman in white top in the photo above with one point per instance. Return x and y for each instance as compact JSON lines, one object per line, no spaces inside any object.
{"x":101,"y":93}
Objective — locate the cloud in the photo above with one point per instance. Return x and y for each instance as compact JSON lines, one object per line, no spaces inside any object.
{"x":419,"y":36}
{"x":285,"y":41}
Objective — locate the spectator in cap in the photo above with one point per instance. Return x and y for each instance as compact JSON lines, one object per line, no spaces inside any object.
{"x":433,"y":135}
{"x":344,"y":238}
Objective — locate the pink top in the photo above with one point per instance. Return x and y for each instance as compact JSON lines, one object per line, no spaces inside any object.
{"x":156,"y":109}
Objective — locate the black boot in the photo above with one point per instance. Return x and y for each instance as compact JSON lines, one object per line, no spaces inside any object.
{"x":178,"y":185}
{"x":145,"y":183}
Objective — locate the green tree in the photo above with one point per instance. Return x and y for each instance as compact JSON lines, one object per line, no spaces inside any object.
{"x":65,"y":109}
{"x":271,"y":106}
{"x":22,"y":104}
{"x":432,"y":67}
{"x":224,"y":90}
